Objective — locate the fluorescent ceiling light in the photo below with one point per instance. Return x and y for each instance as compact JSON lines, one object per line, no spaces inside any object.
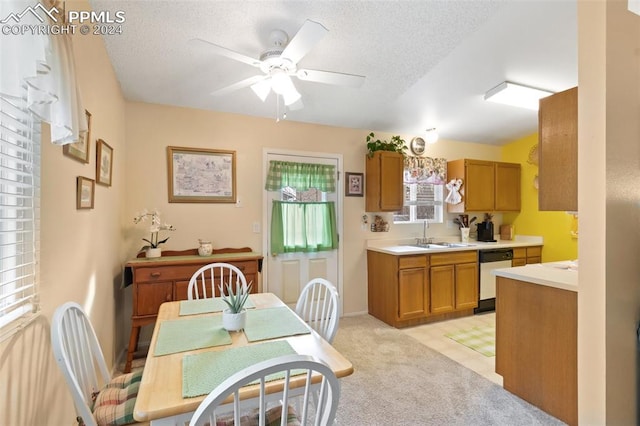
{"x":516,"y":95}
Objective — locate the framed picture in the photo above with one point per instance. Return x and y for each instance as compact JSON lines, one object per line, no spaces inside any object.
{"x":354,"y":184}
{"x":80,"y":150}
{"x":85,"y":190}
{"x":198,"y":175}
{"x":104,"y":163}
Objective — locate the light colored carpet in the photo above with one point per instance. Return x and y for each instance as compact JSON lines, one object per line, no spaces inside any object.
{"x":398,"y":381}
{"x":480,"y":339}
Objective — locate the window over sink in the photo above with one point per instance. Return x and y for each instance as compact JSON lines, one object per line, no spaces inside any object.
{"x":423,"y":187}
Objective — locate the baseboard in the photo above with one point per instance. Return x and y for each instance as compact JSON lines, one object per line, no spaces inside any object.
{"x":355,"y":314}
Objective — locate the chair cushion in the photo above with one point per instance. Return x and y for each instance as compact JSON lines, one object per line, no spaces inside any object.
{"x":253,"y":418}
{"x":114,"y":404}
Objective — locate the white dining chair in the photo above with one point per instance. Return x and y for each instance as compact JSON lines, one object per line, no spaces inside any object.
{"x":208,"y":278}
{"x":318,"y":307}
{"x":274,"y":408}
{"x":99,"y":399}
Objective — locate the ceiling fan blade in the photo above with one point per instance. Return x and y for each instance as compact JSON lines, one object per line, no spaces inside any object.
{"x":223,"y":51}
{"x":310,"y":33}
{"x":239,"y":85}
{"x":330,"y":77}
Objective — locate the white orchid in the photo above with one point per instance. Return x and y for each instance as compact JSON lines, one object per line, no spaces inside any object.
{"x":154,"y":228}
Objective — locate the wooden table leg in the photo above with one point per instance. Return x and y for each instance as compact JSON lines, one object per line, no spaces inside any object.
{"x":133,"y":345}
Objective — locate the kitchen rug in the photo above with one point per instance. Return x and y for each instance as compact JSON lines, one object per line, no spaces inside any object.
{"x":480,"y":339}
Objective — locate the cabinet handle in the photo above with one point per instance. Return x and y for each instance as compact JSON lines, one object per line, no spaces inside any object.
{"x":155,"y":274}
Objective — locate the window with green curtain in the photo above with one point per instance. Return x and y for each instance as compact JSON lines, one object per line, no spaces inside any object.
{"x":300,"y":176}
{"x":303,"y":227}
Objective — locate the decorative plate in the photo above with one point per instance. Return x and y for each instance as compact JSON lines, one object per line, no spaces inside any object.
{"x":533,"y":155}
{"x":417,"y":145}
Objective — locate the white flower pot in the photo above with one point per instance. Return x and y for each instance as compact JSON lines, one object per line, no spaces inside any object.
{"x":234,"y":322}
{"x":153,"y":252}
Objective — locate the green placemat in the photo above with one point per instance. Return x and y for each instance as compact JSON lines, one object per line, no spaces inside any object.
{"x":480,"y":339}
{"x":271,"y":323}
{"x":193,"y":333}
{"x":203,"y":306}
{"x":201,"y":373}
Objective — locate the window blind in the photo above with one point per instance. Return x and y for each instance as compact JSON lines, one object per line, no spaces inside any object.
{"x":19,"y":213}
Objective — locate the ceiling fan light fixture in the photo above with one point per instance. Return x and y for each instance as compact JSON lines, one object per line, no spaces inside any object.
{"x":282,"y":85}
{"x":516,"y":95}
{"x":262,"y":89}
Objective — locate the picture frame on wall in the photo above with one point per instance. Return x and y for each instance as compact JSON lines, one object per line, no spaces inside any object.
{"x":85,"y":193}
{"x":79,"y":150}
{"x":198,"y":175}
{"x":354,"y":184}
{"x":104,"y":163}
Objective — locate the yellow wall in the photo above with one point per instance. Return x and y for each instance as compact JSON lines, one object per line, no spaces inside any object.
{"x":555,"y":227}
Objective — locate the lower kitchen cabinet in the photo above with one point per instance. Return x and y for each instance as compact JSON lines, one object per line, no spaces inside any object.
{"x":526,"y":255}
{"x":411,"y":289}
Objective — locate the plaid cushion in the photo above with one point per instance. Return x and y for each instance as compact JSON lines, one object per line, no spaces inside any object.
{"x":114,"y":404}
{"x":253,"y":418}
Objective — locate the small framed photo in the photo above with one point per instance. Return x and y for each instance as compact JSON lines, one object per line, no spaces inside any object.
{"x":85,"y":190}
{"x":198,"y":175}
{"x":104,"y":163}
{"x":79,"y":150}
{"x":354,"y":184}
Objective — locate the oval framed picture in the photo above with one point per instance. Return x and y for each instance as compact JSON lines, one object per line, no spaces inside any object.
{"x":417,"y":145}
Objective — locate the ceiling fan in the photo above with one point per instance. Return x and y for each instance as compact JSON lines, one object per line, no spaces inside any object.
{"x":279,"y":63}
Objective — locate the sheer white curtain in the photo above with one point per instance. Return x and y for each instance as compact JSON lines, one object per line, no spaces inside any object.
{"x":37,"y":83}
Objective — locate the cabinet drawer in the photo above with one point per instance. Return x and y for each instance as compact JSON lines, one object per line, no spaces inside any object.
{"x":184,"y":272}
{"x":453,"y":258}
{"x":534,"y":251}
{"x":534,"y":259}
{"x":412,"y":262}
{"x":519,"y":252}
{"x":518,"y":262}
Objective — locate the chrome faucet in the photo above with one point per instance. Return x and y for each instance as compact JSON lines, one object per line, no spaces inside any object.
{"x":424,"y":239}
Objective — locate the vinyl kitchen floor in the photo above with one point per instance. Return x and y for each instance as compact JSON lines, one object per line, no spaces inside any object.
{"x":433,"y":336}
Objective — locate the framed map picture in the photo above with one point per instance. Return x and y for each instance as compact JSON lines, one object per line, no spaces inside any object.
{"x":198,"y":175}
{"x":80,"y":150}
{"x":104,"y":163}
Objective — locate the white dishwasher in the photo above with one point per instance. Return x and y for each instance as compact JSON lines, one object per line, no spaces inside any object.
{"x":490,"y":260}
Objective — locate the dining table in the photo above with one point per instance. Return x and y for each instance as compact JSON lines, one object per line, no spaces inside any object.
{"x":190,"y":353}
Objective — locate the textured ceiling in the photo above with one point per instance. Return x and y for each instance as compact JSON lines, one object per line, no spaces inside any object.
{"x":427,"y":63}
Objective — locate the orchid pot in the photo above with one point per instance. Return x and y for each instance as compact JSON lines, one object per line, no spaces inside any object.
{"x":153,"y":252}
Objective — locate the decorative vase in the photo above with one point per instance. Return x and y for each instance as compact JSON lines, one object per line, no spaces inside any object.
{"x":153,"y":252}
{"x":234,"y":322}
{"x":206,"y":248}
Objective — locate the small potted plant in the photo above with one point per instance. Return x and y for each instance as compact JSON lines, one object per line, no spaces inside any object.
{"x":152,"y":249}
{"x":396,"y":144}
{"x":234,"y":317}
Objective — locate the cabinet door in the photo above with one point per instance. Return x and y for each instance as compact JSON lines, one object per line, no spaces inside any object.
{"x":413,"y":299}
{"x":558,"y":151}
{"x":466,"y":286}
{"x":384,"y":182}
{"x":442,"y":289}
{"x":151,"y":295}
{"x":518,"y":262}
{"x":479,"y":185}
{"x":507,"y":187}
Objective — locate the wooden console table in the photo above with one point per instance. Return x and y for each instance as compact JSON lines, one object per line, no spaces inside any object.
{"x":166,"y":279}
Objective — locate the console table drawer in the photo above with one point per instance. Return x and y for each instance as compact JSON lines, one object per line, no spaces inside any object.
{"x":163,"y":273}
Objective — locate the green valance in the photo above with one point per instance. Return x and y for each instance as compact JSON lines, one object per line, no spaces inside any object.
{"x":300,"y":176}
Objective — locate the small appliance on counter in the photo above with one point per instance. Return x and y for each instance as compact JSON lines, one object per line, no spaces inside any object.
{"x":485,"y":229}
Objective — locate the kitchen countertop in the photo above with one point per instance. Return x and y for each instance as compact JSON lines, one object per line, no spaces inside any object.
{"x":562,"y":275}
{"x":404,"y":246}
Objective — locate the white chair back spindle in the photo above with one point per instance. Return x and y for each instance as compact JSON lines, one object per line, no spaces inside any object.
{"x":318,"y":307}
{"x":208,"y":278}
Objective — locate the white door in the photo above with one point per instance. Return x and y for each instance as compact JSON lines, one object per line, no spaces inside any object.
{"x":285,"y":274}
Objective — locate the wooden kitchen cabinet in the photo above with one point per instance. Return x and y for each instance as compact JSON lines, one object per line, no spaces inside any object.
{"x":558,"y":151}
{"x":454,"y":281}
{"x":487,"y":185}
{"x":165,"y":279}
{"x":413,"y":292}
{"x":384,"y":190}
{"x":526,"y":255}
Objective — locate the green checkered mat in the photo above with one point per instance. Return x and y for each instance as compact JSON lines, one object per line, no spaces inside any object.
{"x":480,"y":339}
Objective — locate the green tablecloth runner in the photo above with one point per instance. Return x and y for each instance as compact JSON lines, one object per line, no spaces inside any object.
{"x":201,"y":373}
{"x":203,"y":306}
{"x":190,"y":333}
{"x":271,"y":323}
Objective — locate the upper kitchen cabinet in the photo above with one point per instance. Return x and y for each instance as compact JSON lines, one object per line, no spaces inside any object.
{"x":487,"y":185}
{"x":558,"y":151}
{"x":383,"y":185}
